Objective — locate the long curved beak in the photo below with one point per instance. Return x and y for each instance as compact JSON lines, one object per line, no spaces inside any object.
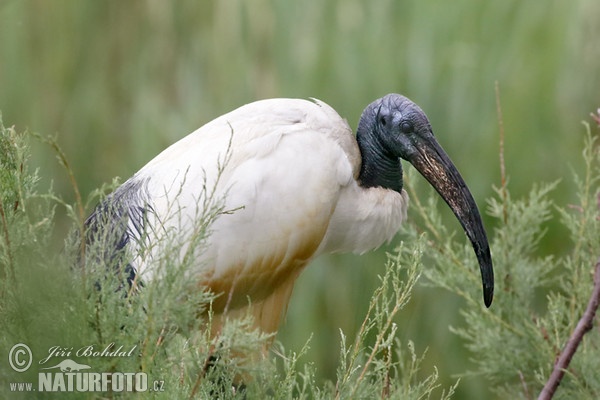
{"x":435,"y":165}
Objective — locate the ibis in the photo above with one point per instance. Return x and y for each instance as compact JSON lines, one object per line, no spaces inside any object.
{"x":294,"y":183}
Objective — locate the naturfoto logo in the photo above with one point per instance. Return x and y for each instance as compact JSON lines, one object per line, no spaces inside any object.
{"x":60,"y":373}
{"x":69,"y":366}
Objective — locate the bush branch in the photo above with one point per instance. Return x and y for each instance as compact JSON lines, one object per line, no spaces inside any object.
{"x":10,"y":273}
{"x":584,"y":325}
{"x":501,"y":145}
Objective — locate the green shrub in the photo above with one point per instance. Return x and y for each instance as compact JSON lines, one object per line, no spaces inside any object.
{"x":48,"y":299}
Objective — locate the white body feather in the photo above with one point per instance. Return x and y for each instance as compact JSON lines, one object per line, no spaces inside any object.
{"x":288,"y":168}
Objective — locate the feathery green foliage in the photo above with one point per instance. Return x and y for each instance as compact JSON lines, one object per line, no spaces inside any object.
{"x":71,"y":300}
{"x":47,"y":301}
{"x":514,"y":344}
{"x":118,"y":81}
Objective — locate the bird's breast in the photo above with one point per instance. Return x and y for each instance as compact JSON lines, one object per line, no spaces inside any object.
{"x":364,"y":219}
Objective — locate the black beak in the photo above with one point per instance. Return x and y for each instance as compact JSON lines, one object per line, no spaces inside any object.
{"x":435,"y":165}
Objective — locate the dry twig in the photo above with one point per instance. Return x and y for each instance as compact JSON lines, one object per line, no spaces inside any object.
{"x":584,"y":325}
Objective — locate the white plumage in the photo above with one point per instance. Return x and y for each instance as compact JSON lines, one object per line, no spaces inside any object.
{"x":288,"y":172}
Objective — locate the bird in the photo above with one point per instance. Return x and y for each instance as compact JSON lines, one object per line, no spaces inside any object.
{"x":290,"y":181}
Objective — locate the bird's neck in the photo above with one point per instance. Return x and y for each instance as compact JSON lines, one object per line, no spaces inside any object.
{"x":379,"y":167}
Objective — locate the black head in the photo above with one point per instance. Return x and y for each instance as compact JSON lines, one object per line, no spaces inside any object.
{"x":398,"y":125}
{"x":394,"y":127}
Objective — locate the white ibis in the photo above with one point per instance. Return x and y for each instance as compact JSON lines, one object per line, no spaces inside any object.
{"x":299,"y":183}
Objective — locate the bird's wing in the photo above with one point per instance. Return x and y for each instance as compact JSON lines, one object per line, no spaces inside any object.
{"x":278,"y":167}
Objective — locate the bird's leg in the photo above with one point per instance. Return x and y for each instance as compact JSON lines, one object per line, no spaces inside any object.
{"x":214,"y":370}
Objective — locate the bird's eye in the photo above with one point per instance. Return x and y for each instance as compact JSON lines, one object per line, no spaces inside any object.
{"x":383,"y":121}
{"x":406,"y":127}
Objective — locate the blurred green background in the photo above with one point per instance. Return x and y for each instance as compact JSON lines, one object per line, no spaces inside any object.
{"x":118,"y":81}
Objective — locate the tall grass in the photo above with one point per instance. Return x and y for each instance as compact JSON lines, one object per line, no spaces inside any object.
{"x":80,"y":298}
{"x":119,"y":81}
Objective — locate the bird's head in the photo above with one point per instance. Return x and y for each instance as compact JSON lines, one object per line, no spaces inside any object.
{"x":394,"y":127}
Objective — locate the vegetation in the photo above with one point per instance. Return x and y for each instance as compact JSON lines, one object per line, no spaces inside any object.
{"x":116,"y":82}
{"x":73,"y":299}
{"x":70,"y":298}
